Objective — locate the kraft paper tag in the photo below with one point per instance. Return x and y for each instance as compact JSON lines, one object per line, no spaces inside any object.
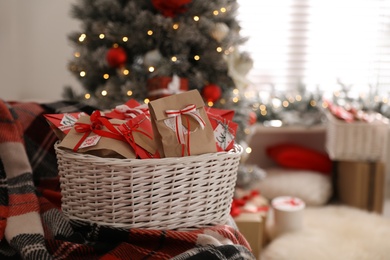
{"x":223,"y":136}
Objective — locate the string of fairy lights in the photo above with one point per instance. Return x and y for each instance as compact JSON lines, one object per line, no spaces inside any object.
{"x":271,"y":107}
{"x":124,"y":71}
{"x":262,"y":109}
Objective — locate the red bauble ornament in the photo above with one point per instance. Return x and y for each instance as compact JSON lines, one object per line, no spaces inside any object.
{"x":171,"y":8}
{"x":116,"y":57}
{"x":252,"y":118}
{"x":211,"y":92}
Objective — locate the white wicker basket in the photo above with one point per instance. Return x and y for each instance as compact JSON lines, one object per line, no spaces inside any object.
{"x":167,"y":193}
{"x":356,"y":141}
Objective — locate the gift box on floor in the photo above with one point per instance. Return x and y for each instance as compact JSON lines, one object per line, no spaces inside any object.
{"x":251,"y":218}
{"x":360,"y":184}
{"x":252,"y":227}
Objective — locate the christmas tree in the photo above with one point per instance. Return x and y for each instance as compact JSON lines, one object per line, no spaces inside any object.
{"x":144,"y":49}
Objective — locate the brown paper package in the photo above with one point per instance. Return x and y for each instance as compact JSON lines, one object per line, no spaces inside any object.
{"x":361,"y":184}
{"x":106,"y":147}
{"x":200,"y":140}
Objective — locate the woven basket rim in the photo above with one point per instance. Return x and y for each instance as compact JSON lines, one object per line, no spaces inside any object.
{"x":236,"y":150}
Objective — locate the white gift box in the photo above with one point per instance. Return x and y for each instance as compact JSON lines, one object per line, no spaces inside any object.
{"x":288,"y":214}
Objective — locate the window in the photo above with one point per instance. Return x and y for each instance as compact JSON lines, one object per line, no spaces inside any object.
{"x":318,"y":43}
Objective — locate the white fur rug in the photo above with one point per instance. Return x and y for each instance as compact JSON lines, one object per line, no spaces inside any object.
{"x":334,"y":233}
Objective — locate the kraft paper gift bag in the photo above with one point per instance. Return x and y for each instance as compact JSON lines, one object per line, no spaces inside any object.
{"x":181,"y":126}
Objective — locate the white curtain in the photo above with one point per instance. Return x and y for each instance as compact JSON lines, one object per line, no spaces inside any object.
{"x":318,"y":43}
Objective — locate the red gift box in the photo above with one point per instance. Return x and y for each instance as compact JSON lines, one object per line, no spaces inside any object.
{"x":130,"y":109}
{"x":62,"y":123}
{"x":159,"y":87}
{"x":138,"y":133}
{"x":250,"y":211}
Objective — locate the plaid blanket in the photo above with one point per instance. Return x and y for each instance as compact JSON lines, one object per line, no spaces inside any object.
{"x":32,"y":225}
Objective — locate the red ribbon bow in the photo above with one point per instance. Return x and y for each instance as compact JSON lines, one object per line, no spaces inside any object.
{"x":189,"y":110}
{"x":127,"y":129}
{"x":96,"y":126}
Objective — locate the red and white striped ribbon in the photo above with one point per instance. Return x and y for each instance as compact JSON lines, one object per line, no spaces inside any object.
{"x":128,"y":111}
{"x":189,"y":110}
